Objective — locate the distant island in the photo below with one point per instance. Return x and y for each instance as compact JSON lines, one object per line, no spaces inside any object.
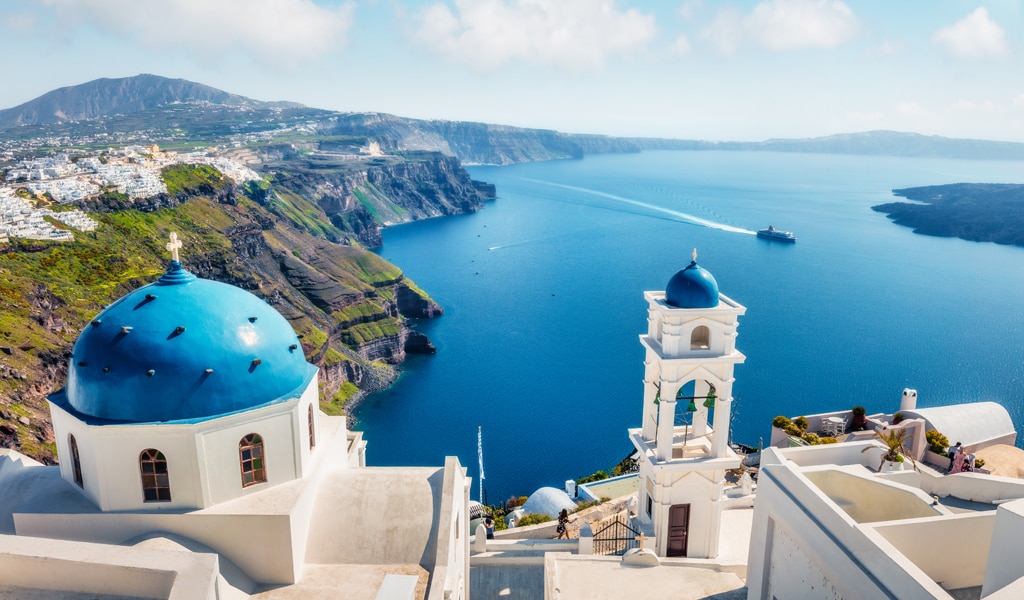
{"x":979,"y":212}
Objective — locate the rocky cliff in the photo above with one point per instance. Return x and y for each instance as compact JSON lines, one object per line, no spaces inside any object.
{"x":474,"y":143}
{"x":360,"y":194}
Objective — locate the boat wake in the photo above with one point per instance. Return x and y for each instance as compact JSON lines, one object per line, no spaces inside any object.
{"x":688,"y":218}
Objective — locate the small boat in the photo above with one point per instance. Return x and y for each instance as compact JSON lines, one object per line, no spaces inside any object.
{"x":772,"y":233}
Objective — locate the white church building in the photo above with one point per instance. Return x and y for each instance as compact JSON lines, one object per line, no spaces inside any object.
{"x":195,"y":463}
{"x":690,"y":353}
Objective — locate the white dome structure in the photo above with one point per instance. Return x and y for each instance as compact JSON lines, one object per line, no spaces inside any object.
{"x":548,"y":501}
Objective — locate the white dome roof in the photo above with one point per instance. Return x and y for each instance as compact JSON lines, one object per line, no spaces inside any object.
{"x":970,"y":424}
{"x":548,"y":501}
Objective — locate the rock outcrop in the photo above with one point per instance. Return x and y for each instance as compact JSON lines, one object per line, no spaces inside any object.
{"x":358,"y":196}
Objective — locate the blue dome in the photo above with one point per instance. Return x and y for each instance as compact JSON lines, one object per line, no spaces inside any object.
{"x":184,"y":348}
{"x":693,"y":287}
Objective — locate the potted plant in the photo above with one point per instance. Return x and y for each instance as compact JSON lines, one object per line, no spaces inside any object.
{"x":895,"y":450}
{"x":859,"y":422}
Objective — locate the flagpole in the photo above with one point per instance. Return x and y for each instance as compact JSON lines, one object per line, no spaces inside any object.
{"x":480,"y":458}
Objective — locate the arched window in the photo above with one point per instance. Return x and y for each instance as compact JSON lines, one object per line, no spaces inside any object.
{"x":312,"y":429}
{"x":76,"y":463}
{"x":250,"y":453}
{"x":700,"y":339}
{"x":156,"y":487}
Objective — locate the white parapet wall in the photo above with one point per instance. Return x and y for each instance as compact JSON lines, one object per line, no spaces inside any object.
{"x":39,"y":565}
{"x":1005,"y":569}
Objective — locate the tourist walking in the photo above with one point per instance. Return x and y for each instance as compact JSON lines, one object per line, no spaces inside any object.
{"x":563,"y":521}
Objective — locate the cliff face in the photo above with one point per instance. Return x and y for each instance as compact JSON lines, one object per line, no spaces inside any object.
{"x":475,"y":143}
{"x":360,"y":195}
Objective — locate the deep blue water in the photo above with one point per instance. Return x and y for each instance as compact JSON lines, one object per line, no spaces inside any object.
{"x":543,"y":293}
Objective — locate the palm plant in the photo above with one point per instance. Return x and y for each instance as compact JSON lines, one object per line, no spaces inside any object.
{"x":894,"y":441}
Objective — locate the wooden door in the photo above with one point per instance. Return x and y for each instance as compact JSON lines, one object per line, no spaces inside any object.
{"x":678,"y":528}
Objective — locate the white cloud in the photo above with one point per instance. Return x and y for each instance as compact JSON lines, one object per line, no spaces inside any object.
{"x":784,"y":25}
{"x":681,"y":46}
{"x":1018,"y":101}
{"x":725,"y":33}
{"x":275,"y":32}
{"x":789,"y":24}
{"x":974,"y":36}
{"x":567,"y":34}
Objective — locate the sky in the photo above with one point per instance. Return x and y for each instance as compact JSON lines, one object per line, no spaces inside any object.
{"x":692,"y":69}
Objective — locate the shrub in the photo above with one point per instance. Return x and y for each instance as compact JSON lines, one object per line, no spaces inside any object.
{"x":792,"y":429}
{"x":515,"y":501}
{"x":979,"y":462}
{"x":897,"y":418}
{"x":802,"y":423}
{"x":781,"y":422}
{"x":533,"y":519}
{"x":816,"y":440}
{"x":598,"y":476}
{"x":859,"y":411}
{"x":937,"y":442}
{"x":591,"y":503}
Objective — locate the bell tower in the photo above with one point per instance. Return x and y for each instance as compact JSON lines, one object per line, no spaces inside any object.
{"x":683,"y":441}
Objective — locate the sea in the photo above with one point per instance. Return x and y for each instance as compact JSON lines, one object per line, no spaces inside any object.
{"x":538,"y":351}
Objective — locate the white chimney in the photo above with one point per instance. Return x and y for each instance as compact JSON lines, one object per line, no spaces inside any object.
{"x":909,"y":400}
{"x":570,"y":488}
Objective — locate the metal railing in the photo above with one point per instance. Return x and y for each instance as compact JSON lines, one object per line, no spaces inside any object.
{"x":616,"y":538}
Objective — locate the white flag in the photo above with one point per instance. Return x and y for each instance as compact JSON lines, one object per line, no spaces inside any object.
{"x":480,"y":448}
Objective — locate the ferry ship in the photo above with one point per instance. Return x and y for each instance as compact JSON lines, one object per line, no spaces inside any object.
{"x":772,"y":233}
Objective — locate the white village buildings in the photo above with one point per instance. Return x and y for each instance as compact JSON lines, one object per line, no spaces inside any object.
{"x":195,"y":464}
{"x":133,"y":171}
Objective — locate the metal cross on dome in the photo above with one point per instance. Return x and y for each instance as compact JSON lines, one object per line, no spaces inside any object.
{"x":173,"y":246}
{"x":694,"y":255}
